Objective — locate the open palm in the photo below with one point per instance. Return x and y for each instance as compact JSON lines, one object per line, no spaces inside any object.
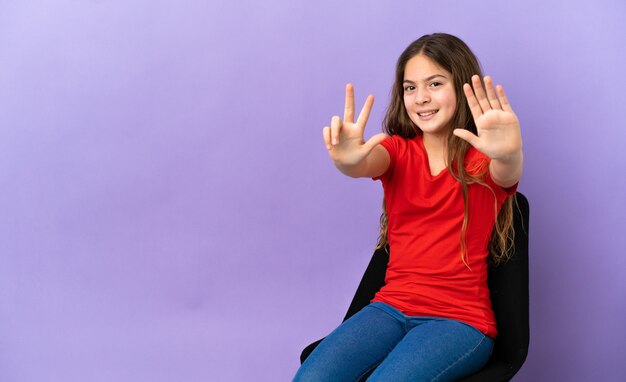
{"x":497,"y":125}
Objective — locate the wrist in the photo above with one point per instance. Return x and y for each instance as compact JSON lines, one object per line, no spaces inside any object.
{"x":514,"y":157}
{"x":349,"y":169}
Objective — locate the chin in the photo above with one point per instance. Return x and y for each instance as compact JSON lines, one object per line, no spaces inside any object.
{"x":438,"y":130}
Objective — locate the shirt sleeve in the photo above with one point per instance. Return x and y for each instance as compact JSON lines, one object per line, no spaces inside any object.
{"x":479,"y":163}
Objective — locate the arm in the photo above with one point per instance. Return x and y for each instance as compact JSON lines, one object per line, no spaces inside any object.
{"x":507,"y":172}
{"x":345,"y":144}
{"x":373,"y":165}
{"x":499,"y":136}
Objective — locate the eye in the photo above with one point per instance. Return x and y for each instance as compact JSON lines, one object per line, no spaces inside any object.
{"x":409,"y":88}
{"x":435,"y":84}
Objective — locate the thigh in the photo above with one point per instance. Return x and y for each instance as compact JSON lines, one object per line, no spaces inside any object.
{"x":358,"y":345}
{"x":438,"y":350}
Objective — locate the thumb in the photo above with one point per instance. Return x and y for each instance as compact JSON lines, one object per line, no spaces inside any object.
{"x":373,"y":141}
{"x":466,"y":136}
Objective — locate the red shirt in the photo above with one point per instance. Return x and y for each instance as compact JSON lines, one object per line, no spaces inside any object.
{"x":425,"y":275}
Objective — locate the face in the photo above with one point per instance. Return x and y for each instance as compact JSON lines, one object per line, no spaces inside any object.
{"x":429,"y":96}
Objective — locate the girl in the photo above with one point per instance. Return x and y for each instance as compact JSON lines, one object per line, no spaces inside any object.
{"x":450,"y":159}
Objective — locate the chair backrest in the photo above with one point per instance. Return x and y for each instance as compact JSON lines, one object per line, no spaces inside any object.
{"x":508,"y":284}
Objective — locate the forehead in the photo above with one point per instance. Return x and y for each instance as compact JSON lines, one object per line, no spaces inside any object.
{"x":420,"y":67}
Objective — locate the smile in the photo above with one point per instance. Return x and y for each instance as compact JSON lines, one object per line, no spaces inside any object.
{"x":427,"y":113}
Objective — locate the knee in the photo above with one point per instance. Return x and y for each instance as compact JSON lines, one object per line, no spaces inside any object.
{"x":309,"y":374}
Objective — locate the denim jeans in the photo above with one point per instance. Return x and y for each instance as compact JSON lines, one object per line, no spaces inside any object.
{"x":399,"y":347}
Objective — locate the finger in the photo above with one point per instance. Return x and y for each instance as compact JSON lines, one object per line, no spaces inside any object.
{"x":480,"y":93}
{"x":506,"y":106}
{"x":491,"y":94}
{"x":373,"y":141}
{"x":472,"y":102}
{"x":467,"y":136}
{"x":365,"y":112}
{"x":348,"y":114}
{"x":326,"y":134}
{"x":335,"y":128}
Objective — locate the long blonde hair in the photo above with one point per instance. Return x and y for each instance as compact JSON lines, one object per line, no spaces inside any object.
{"x":453,"y":55}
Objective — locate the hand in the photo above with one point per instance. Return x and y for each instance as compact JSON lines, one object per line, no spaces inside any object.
{"x":498,"y":128}
{"x":344,"y":139}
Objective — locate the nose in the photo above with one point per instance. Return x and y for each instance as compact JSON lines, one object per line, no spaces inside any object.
{"x":421,"y":96}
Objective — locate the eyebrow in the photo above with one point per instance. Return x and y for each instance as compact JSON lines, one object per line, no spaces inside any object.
{"x":426,"y":79}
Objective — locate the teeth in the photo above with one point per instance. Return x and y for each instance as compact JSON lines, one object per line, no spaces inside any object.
{"x":427,"y":113}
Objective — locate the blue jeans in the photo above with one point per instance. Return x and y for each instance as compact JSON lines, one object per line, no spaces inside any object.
{"x":399,"y":347}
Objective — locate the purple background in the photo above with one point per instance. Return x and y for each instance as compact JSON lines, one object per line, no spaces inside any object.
{"x":168,"y":211}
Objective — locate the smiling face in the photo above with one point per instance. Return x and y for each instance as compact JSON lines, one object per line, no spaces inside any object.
{"x":429,"y":96}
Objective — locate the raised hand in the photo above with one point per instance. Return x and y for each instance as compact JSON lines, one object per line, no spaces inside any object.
{"x":344,"y":140}
{"x":498,"y":128}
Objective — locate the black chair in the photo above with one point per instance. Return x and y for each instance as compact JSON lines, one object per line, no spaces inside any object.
{"x":508,"y":284}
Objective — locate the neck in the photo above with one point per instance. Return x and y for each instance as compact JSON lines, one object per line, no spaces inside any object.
{"x":436,"y":149}
{"x":436,"y":144}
